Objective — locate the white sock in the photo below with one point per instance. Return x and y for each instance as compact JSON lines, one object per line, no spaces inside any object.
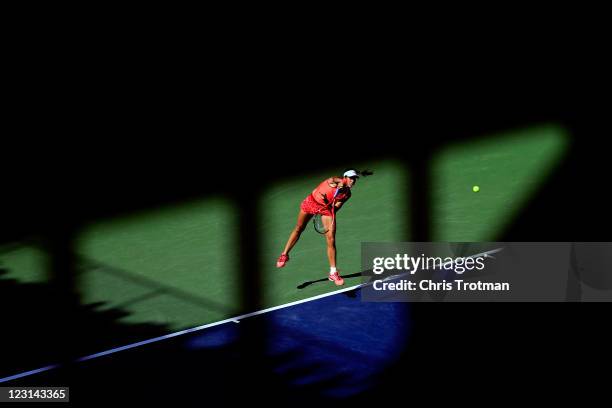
{"x":332,"y":270}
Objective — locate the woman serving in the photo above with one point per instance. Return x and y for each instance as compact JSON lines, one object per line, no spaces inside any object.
{"x":324,"y":202}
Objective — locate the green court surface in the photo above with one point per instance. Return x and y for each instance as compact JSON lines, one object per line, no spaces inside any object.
{"x":508,"y":168}
{"x":178,"y":265}
{"x":377,"y":211}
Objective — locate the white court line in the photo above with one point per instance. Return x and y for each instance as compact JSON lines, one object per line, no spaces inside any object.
{"x":206,"y":326}
{"x":179,"y":333}
{"x":27,"y":373}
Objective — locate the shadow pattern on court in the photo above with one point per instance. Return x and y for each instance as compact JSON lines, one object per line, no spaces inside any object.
{"x":451,"y":348}
{"x":35,"y":332}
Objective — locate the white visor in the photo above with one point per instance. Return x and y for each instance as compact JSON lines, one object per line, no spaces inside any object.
{"x":351,"y":173}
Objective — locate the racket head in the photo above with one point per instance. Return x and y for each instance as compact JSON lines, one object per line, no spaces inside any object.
{"x":317,"y":221}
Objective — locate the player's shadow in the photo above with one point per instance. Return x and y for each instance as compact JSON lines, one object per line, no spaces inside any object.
{"x":308,"y":283}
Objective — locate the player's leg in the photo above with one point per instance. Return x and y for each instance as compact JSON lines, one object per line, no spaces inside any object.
{"x":302,"y":222}
{"x":300,"y":226}
{"x":330,"y":238}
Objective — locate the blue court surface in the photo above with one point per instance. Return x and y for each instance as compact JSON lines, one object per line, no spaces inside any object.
{"x":332,"y":345}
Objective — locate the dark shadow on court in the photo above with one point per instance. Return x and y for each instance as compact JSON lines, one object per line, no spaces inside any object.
{"x":454,"y":346}
{"x":35,"y":334}
{"x":170,"y":371}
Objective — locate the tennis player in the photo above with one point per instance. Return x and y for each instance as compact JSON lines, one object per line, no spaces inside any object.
{"x":329,"y":196}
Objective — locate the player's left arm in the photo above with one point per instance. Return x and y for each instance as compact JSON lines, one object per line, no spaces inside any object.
{"x":343,"y":198}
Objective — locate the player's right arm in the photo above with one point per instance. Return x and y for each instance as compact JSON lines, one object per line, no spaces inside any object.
{"x":335,"y":182}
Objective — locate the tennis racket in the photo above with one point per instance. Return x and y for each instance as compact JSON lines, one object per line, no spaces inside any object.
{"x":317,"y":220}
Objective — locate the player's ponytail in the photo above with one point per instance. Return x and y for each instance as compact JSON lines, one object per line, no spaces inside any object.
{"x":360,"y":173}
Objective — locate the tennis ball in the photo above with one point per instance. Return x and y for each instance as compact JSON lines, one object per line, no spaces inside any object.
{"x":475,"y":189}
